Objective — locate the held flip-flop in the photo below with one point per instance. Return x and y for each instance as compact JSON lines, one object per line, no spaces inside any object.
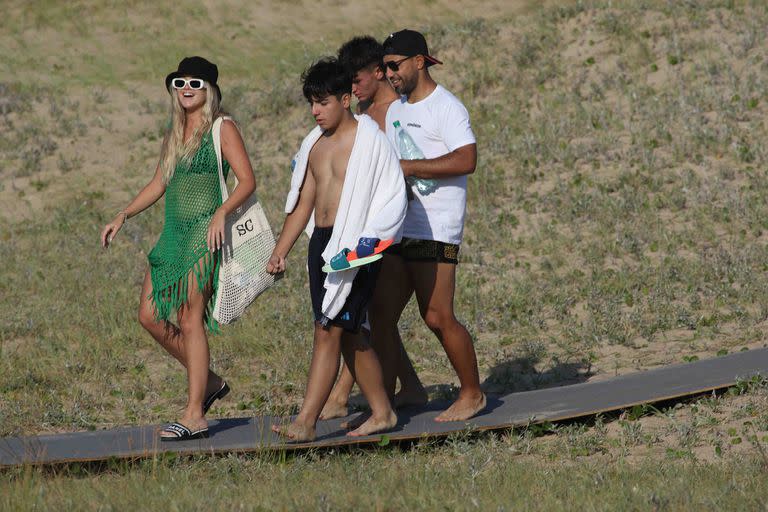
{"x":381,"y":246}
{"x":345,"y":264}
{"x":347,"y":259}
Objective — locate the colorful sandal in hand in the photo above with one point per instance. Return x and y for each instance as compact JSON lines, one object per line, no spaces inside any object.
{"x":347,"y":259}
{"x":182,"y":433}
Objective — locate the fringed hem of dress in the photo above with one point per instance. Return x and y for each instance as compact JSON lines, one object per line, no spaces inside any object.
{"x":167,"y":300}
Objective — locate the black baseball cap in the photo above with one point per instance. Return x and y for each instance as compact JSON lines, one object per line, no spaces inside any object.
{"x":196,"y":67}
{"x":408,"y":43}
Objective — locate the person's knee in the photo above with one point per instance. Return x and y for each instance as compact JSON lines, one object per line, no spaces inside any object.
{"x":438,"y":320}
{"x":147,"y":318}
{"x":326,"y":337}
{"x":189,"y":323}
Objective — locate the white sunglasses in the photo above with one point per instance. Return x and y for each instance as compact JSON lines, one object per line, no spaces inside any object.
{"x":194,"y":83}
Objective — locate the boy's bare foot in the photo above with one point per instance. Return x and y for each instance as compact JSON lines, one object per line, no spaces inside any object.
{"x":334,"y":410}
{"x":463,"y":409}
{"x":374,"y":425}
{"x":356,"y":421}
{"x":295,"y":431}
{"x":410,"y":397}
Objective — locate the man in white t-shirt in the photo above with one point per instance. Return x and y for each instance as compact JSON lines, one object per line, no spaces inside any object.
{"x":439,"y":125}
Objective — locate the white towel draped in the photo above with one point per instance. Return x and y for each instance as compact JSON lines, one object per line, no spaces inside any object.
{"x":372,"y":204}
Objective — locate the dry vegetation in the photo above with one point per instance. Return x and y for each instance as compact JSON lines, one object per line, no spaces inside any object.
{"x":621,"y":195}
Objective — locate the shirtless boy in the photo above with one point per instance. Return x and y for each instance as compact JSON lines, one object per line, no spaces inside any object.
{"x":348,"y":186}
{"x":362,"y":57}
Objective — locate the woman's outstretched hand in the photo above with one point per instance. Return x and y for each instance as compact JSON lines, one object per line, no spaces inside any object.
{"x":110,"y":230}
{"x":215,"y":237}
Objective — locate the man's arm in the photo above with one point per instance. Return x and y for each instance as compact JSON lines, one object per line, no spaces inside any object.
{"x":456,"y":163}
{"x":294,"y":224}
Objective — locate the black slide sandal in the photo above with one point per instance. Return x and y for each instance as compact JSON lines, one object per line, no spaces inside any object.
{"x":216,"y":395}
{"x":182,"y":433}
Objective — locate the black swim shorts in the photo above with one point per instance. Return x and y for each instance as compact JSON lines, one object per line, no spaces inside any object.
{"x":413,"y":249}
{"x":354,"y":312}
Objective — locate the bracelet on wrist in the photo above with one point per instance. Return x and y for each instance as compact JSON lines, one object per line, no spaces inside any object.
{"x":124,"y":214}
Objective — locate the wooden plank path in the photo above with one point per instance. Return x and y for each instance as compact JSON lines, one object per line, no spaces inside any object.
{"x":513,"y":410}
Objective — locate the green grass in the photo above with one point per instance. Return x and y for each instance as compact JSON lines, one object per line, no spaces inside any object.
{"x":461,"y":474}
{"x":617,"y":221}
{"x":575,"y":186}
{"x":483,"y":474}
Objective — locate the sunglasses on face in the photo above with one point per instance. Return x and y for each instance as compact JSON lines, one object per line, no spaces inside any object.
{"x":394,"y":65}
{"x":194,"y":83}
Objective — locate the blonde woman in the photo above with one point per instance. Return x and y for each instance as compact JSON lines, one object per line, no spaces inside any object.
{"x":183,"y":265}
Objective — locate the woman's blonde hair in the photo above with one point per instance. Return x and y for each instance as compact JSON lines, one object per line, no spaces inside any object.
{"x":174,"y":149}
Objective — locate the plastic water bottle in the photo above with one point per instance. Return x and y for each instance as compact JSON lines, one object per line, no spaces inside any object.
{"x":410,"y":151}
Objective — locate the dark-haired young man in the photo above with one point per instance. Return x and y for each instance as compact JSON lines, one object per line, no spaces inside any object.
{"x":432,"y":232}
{"x":347,"y":190}
{"x":362,"y":57}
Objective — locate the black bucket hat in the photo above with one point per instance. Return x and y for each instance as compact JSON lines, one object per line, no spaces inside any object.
{"x":196,"y":67}
{"x":408,"y":43}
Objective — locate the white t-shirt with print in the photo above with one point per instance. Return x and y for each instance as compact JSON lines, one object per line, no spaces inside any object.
{"x":438,"y":124}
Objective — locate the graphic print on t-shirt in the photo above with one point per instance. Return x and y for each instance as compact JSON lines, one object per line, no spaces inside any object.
{"x":438,"y":124}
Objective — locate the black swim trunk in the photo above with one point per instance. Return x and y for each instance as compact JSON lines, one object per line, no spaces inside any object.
{"x":413,"y":249}
{"x":354,"y":312}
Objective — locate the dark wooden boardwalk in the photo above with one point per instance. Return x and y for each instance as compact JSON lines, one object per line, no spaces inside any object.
{"x":516,"y":409}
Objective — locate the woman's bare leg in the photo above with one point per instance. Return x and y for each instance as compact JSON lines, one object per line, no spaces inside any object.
{"x":197,"y":356}
{"x":167,"y":334}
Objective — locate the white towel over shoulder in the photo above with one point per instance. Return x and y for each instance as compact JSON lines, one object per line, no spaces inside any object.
{"x":372,"y":204}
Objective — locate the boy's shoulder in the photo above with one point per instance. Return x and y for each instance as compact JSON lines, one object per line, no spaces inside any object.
{"x":369,"y":127}
{"x":311,"y":138}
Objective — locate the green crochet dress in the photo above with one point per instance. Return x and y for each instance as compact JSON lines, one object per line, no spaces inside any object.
{"x":191,"y":197}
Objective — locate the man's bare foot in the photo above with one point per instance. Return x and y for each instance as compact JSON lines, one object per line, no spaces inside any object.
{"x":408,"y":397}
{"x":295,"y":431}
{"x":463,"y":409}
{"x":334,"y":409}
{"x":374,"y":425}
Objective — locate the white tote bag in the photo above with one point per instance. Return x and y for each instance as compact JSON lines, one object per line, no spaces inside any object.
{"x":248,"y":244}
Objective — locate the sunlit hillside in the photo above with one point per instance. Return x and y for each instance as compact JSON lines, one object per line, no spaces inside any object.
{"x":617,"y":221}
